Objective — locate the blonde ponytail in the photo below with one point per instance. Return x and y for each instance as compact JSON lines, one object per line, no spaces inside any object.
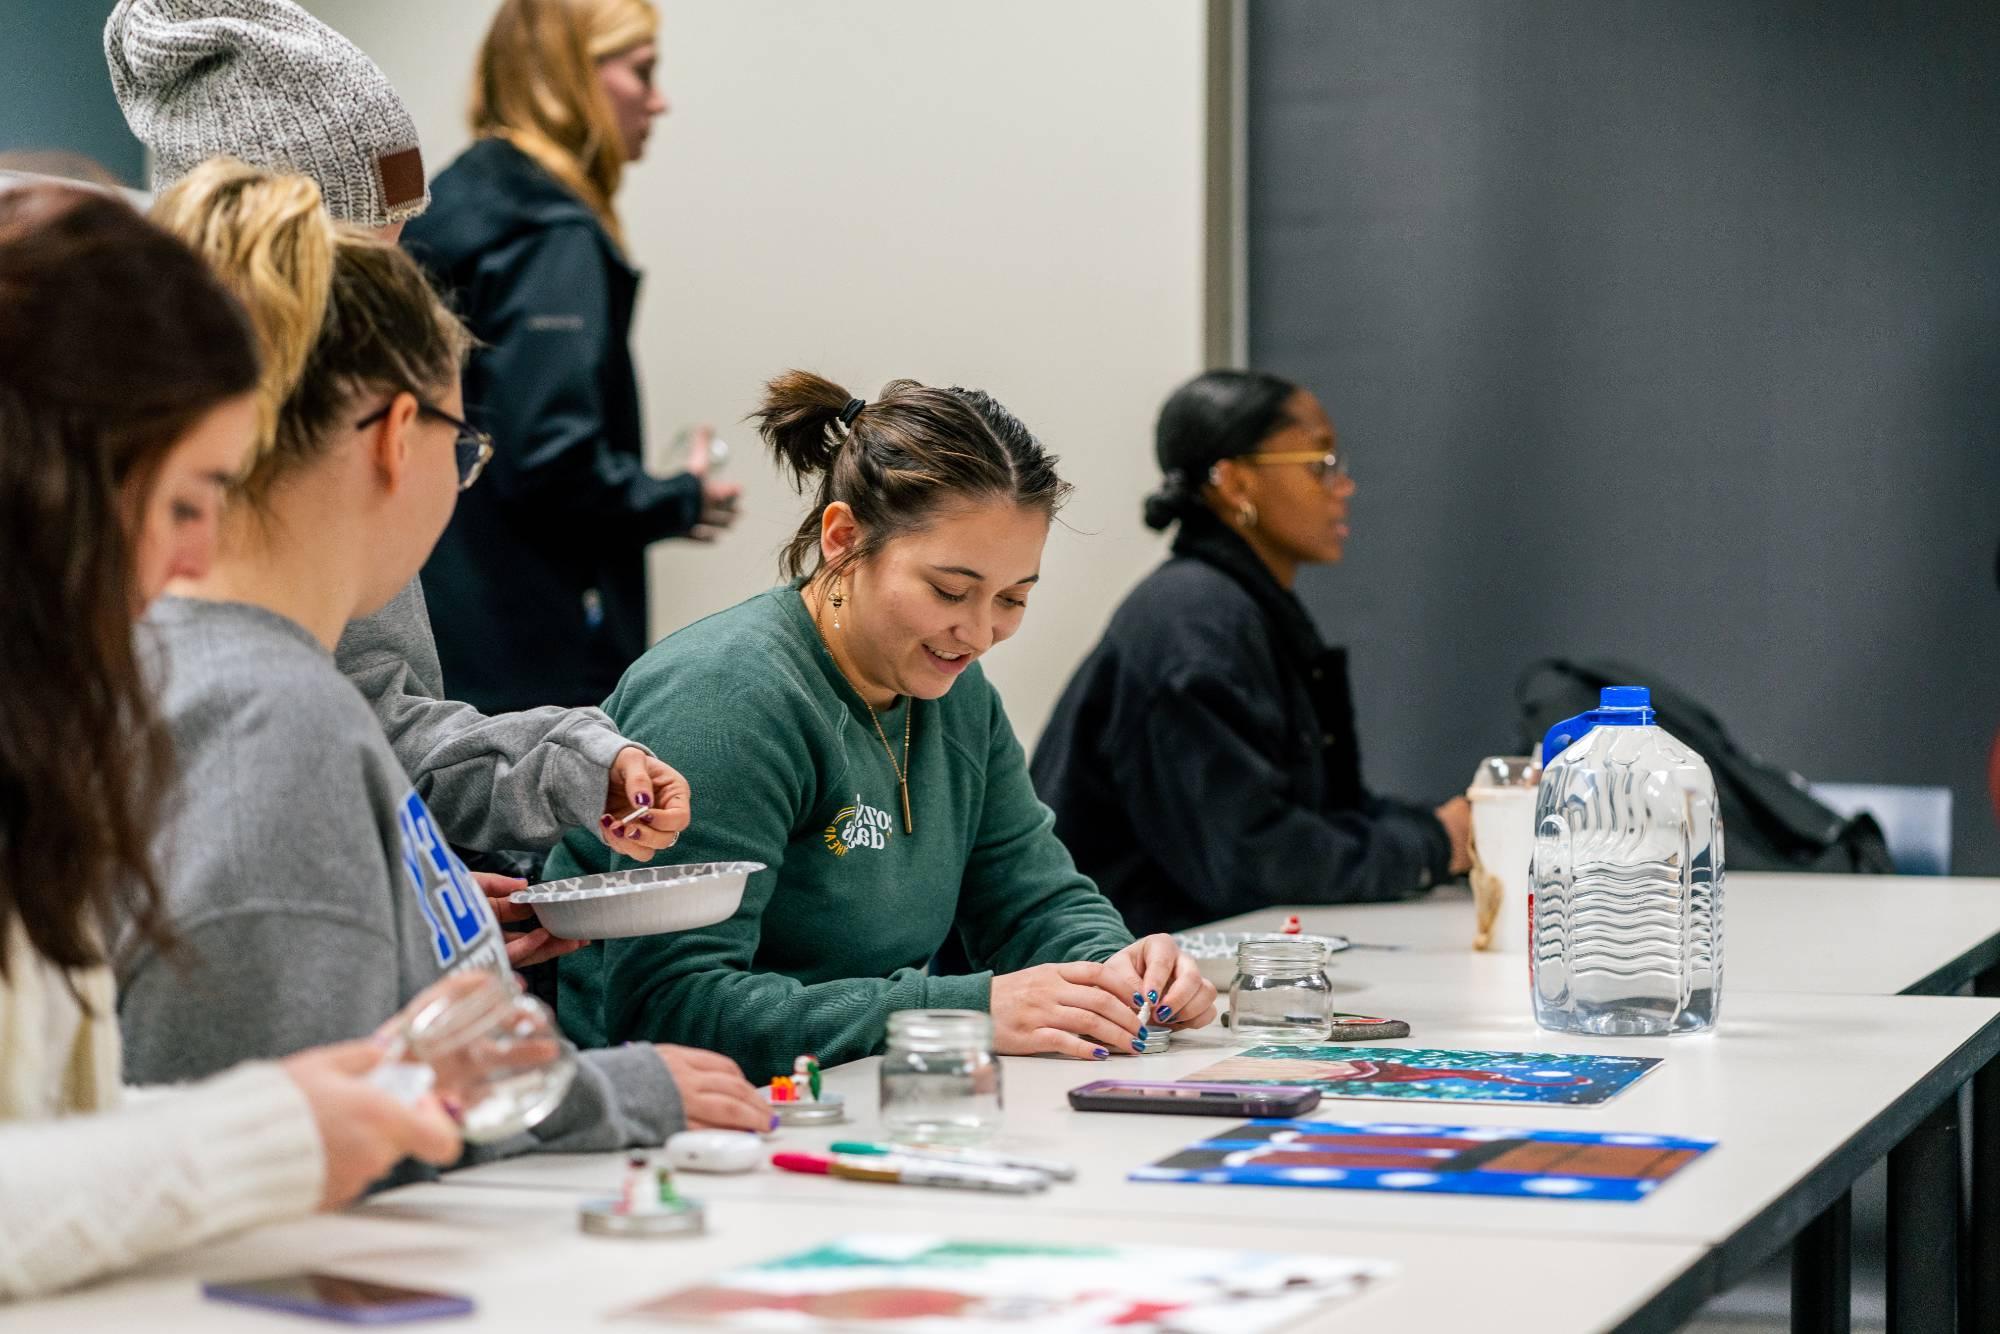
{"x":340,"y":313}
{"x":269,"y":239}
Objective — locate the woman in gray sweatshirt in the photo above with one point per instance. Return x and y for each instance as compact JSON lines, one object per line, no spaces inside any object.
{"x":309,"y":886}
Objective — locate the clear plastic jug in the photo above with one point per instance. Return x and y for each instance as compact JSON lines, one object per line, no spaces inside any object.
{"x":1626,"y":893}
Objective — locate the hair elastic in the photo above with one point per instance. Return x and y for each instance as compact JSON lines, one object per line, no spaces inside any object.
{"x":847,"y":414}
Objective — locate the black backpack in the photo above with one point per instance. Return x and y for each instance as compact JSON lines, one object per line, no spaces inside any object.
{"x":1771,"y":822}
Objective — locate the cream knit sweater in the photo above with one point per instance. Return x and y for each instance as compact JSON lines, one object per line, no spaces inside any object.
{"x":90,"y":1182}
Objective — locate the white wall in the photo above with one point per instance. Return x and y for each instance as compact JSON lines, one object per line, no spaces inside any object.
{"x":1002,"y":196}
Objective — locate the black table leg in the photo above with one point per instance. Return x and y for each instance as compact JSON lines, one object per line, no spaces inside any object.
{"x":1982,"y":1267}
{"x":1822,"y":1284}
{"x":1924,"y":1193}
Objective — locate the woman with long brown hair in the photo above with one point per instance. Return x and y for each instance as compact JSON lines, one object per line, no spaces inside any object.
{"x":523,"y":232}
{"x":112,"y":476}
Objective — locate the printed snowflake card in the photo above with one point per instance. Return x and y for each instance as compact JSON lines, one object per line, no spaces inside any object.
{"x":1434,"y":1160}
{"x":1423,"y":1075}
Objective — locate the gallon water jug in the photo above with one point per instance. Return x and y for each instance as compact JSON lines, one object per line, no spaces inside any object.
{"x":1626,"y":905}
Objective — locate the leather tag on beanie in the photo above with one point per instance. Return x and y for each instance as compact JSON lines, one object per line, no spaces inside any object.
{"x":402,"y":177}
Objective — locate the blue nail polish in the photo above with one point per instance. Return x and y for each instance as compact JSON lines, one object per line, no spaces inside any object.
{"x":1137,"y":999}
{"x":1142,"y":1034}
{"x":1164,"y":1012}
{"x":1152,"y":995}
{"x":1099,"y":1054}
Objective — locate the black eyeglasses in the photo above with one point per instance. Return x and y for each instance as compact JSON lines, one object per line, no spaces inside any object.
{"x":470,"y":450}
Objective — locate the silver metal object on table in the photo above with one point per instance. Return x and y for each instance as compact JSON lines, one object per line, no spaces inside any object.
{"x":604,"y":1218}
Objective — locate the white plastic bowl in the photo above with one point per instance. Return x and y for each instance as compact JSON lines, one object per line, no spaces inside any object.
{"x":644,"y":901}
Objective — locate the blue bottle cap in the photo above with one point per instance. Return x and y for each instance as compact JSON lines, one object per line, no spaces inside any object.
{"x":1617,"y":706}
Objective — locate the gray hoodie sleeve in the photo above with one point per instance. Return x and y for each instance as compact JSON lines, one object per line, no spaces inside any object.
{"x":310,"y":892}
{"x":518,"y":780}
{"x":623,"y":1097}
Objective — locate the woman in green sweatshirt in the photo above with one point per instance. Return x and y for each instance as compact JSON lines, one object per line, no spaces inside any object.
{"x":841,"y":731}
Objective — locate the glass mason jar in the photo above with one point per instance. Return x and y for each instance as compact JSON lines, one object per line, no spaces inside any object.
{"x":1280,"y":994}
{"x":940,"y":1078}
{"x":495,"y":1052}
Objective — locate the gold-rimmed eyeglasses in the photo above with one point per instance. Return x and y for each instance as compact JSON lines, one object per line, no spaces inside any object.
{"x":1327,"y":467}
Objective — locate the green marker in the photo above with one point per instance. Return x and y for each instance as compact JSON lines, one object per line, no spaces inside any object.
{"x":970,"y":1157}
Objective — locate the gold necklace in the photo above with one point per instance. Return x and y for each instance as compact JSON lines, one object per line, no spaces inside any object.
{"x":910,"y":712}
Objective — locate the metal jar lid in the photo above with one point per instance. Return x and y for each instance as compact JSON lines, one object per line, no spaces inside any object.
{"x":603,"y":1218}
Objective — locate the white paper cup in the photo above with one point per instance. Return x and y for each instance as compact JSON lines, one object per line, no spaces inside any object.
{"x":1503,"y":848}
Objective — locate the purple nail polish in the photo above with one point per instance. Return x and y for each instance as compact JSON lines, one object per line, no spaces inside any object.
{"x":1099,"y":1054}
{"x":1164,"y":1012}
{"x":774,"y":1122}
{"x":604,"y":820}
{"x":643,"y":799}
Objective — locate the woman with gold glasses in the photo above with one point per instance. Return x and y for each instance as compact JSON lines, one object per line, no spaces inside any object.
{"x":1203,"y":760}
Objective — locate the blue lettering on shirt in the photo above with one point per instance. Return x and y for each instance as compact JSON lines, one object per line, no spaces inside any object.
{"x":464,"y":915}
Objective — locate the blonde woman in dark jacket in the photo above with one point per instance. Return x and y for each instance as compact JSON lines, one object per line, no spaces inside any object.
{"x":538,"y":590}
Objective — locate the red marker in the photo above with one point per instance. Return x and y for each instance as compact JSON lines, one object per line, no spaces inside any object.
{"x":811,"y":1164}
{"x":914,"y":1172}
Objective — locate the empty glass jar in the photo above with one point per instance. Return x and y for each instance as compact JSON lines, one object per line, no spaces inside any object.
{"x":495,"y":1053}
{"x":1280,"y":994}
{"x":940,"y":1078}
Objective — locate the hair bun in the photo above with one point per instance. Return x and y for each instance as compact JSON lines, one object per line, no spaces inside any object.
{"x":1168,"y":505}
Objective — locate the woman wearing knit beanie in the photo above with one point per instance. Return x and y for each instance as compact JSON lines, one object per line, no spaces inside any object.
{"x":265,"y":82}
{"x":538,"y":590}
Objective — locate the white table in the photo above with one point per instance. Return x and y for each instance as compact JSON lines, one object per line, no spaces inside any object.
{"x":1853,"y":935}
{"x":1863,"y":935}
{"x":519,"y":1255}
{"x":1778,"y":1088}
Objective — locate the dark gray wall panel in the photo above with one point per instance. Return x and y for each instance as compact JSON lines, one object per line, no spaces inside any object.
{"x":1661,"y":331}
{"x":55,"y":92}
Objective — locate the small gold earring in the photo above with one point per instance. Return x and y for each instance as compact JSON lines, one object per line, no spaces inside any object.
{"x":1246,"y":514}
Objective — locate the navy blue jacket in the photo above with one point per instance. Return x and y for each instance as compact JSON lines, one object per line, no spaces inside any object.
{"x":538,"y":590}
{"x":1203,"y":761}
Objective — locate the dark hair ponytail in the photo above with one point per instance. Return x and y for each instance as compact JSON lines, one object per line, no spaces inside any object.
{"x":1218,"y":415}
{"x":897,"y":459}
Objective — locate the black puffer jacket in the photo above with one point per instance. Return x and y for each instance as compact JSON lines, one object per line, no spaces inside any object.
{"x":1203,"y":762}
{"x":538,"y":590}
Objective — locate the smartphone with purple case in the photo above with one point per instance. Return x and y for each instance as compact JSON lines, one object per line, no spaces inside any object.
{"x":1252,"y":1100}
{"x":353,"y":1301}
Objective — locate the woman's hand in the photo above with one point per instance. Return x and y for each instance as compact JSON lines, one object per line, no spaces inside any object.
{"x":656,"y":798}
{"x":1062,"y":1008}
{"x":531,"y":947}
{"x":365,"y":1130}
{"x":714,"y":1093}
{"x":718,"y":499}
{"x":1456,"y":817}
{"x":1154,"y":969}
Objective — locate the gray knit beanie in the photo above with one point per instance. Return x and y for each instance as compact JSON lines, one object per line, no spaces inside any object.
{"x":266,"y":82}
